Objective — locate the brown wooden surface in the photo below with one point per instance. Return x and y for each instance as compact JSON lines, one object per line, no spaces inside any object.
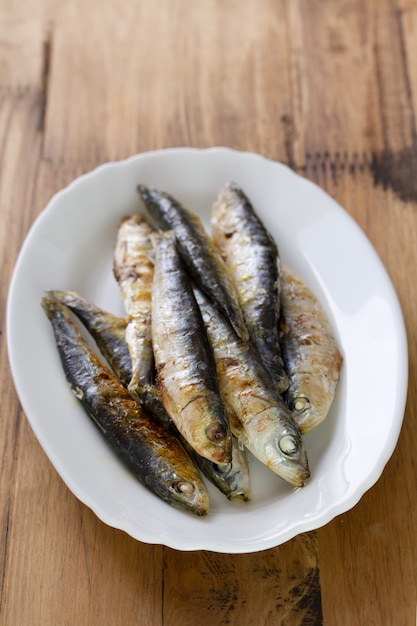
{"x":327,"y":86}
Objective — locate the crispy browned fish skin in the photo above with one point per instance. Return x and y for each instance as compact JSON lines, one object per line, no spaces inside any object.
{"x":108,"y":332}
{"x":200,"y":255}
{"x":257,"y":414}
{"x":251,"y":255}
{"x":133,"y":270}
{"x":186,"y":374}
{"x":310,"y":353}
{"x":156,"y":458}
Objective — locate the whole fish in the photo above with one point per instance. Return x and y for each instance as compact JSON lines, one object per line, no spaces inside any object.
{"x":156,"y":458}
{"x":251,"y":256}
{"x":186,"y":374}
{"x":108,"y":332}
{"x":198,"y":252}
{"x":133,"y":269}
{"x":311,"y":356}
{"x":256,"y":412}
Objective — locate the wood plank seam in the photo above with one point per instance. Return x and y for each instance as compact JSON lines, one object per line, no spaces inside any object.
{"x":45,"y":78}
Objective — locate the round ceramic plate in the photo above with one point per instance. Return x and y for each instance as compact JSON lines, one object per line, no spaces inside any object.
{"x":70,"y":246}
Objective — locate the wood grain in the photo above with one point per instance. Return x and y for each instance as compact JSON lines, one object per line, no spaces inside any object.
{"x":229,"y":586}
{"x":329,"y":88}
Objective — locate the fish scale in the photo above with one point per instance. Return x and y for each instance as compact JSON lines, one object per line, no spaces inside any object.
{"x":251,"y":255}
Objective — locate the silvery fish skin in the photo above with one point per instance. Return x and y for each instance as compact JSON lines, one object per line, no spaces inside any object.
{"x":156,"y":458}
{"x":234,"y":479}
{"x":198,"y":252}
{"x":186,"y":375}
{"x":256,"y":412}
{"x":133,"y":270}
{"x":251,"y":256}
{"x":311,"y":356}
{"x":108,"y":332}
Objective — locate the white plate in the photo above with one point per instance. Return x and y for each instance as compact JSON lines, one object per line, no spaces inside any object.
{"x":70,"y":246}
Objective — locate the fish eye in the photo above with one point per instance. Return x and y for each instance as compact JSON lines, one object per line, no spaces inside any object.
{"x":288,"y":445}
{"x":184,"y":488}
{"x":216,"y":433}
{"x":301,"y":403}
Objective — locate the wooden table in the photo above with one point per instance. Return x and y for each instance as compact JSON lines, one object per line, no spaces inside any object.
{"x":328,"y":87}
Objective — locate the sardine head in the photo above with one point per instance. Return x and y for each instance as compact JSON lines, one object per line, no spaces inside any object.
{"x":187,"y":493}
{"x":286,"y":456}
{"x":210,"y":435}
{"x":160,"y":207}
{"x":278,"y":444}
{"x":309,"y":401}
{"x":219,"y":446}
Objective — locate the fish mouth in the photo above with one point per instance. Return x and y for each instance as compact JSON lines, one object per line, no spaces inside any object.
{"x":239,"y":494}
{"x":300,"y":478}
{"x":294,"y":474}
{"x":200,"y":508}
{"x":199,"y":505}
{"x":240,"y":491}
